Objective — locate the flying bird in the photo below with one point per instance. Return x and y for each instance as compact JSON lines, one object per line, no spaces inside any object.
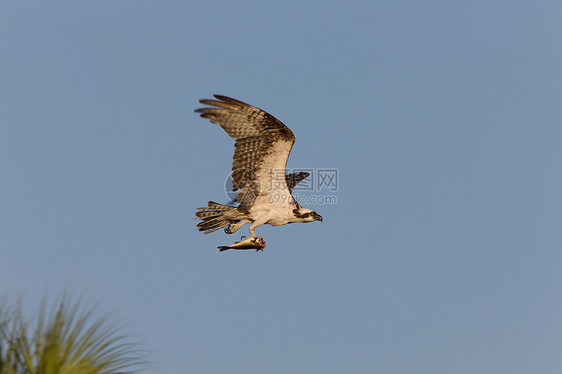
{"x":262,"y":147}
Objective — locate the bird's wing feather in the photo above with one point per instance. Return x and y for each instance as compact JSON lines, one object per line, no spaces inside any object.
{"x":263,"y":144}
{"x":295,"y":178}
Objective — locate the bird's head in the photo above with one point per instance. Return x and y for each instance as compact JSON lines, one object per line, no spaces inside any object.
{"x":307,"y":215}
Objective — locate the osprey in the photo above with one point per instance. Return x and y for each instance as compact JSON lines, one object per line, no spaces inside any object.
{"x":262,"y":148}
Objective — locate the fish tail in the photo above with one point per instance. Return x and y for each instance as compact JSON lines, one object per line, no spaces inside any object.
{"x":223,"y":248}
{"x":215,"y":216}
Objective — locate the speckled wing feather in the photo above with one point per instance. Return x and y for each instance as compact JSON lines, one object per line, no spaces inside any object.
{"x":263,"y":144}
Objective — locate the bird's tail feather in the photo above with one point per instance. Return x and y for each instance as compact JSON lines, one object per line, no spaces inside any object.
{"x":215,"y":216}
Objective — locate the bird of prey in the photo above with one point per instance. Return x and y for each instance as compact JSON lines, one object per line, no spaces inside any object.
{"x":262,"y":148}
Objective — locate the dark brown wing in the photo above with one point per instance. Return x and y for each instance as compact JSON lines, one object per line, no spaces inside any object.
{"x":295,"y":178}
{"x":263,"y":144}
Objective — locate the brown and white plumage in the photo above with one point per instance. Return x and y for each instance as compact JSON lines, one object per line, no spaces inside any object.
{"x":263,"y":144}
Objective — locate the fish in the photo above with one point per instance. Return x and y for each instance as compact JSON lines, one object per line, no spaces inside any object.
{"x":256,"y":243}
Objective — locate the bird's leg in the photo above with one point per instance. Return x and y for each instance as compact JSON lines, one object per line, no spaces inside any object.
{"x":253,"y":228}
{"x":232,"y":228}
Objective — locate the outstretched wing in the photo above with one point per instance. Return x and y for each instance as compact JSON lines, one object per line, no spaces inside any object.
{"x":295,"y":178}
{"x":263,"y":144}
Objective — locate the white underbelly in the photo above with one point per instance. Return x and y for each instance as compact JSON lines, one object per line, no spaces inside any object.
{"x":273,"y":214}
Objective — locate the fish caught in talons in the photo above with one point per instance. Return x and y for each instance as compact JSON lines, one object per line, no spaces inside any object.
{"x":256,"y":243}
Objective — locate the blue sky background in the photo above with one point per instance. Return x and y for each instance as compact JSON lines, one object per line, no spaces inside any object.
{"x":450,"y":176}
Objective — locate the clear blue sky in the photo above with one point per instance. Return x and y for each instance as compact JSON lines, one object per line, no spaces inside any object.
{"x":450,"y":178}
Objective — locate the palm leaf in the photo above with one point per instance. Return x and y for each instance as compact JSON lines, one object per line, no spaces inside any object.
{"x":68,"y":340}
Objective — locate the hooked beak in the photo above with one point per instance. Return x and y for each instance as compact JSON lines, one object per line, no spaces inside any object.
{"x":319,"y":218}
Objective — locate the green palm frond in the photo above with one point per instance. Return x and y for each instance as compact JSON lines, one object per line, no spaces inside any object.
{"x":66,"y":341}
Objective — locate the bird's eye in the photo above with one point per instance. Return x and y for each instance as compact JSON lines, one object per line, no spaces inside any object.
{"x":312,"y":214}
